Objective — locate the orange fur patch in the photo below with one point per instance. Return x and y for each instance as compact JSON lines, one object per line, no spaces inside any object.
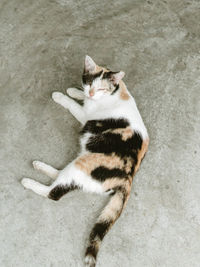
{"x":112,"y":183}
{"x":116,"y":204}
{"x":99,"y":68}
{"x":128,"y":165}
{"x":90,"y":161}
{"x":123,"y":91}
{"x":125,"y":132}
{"x":142,"y":153}
{"x":110,"y":211}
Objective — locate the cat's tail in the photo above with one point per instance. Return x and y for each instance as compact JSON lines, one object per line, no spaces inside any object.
{"x":107,"y":218}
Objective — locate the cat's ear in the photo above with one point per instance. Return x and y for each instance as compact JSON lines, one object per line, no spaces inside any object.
{"x":116,"y":77}
{"x":90,"y":65}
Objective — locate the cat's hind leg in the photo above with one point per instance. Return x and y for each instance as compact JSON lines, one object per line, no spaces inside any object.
{"x":75,"y":93}
{"x":54,"y":191}
{"x":36,"y":187}
{"x":46,"y":169}
{"x":70,"y":178}
{"x":60,"y":190}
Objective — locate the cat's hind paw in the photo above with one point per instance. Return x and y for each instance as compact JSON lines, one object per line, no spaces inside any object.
{"x":27,"y":182}
{"x":36,"y":187}
{"x":57,"y":97}
{"x":37,"y":164}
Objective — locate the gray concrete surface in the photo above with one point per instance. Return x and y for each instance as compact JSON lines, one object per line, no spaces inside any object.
{"x":42,"y":47}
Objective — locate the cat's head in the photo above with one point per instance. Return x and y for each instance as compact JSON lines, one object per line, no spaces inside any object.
{"x":99,"y":82}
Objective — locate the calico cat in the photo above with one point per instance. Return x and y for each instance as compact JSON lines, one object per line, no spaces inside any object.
{"x":113,"y":143}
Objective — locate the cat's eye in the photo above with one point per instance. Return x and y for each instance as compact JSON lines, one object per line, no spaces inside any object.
{"x":101,"y":89}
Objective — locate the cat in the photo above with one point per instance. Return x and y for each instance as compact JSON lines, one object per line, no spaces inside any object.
{"x":113,"y":143}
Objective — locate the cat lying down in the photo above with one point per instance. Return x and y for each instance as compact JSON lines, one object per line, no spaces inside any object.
{"x":113,"y":142}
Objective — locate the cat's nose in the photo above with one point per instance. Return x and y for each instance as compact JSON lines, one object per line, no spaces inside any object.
{"x":91,"y":92}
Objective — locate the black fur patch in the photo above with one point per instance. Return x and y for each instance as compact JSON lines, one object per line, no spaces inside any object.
{"x":99,"y":126}
{"x":108,"y":74}
{"x":60,"y":190}
{"x":91,"y":250}
{"x":116,"y":89}
{"x":100,"y":229}
{"x":111,"y":192}
{"x":108,"y":143}
{"x":105,"y":141}
{"x":102,"y":173}
{"x":88,"y":78}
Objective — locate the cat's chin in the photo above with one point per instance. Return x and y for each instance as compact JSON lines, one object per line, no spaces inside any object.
{"x":95,"y":98}
{"x":92,"y":98}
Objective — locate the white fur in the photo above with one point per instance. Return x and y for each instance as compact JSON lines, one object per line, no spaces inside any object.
{"x":83,"y":142}
{"x":90,"y":261}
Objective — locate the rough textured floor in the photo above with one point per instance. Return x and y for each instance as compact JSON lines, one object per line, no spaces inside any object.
{"x":42,"y":48}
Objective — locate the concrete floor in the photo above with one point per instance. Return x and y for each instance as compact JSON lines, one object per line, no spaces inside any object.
{"x":42,"y":48}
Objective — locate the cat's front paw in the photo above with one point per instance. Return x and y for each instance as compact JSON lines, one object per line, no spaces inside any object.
{"x":57,"y":97}
{"x":75,"y":93}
